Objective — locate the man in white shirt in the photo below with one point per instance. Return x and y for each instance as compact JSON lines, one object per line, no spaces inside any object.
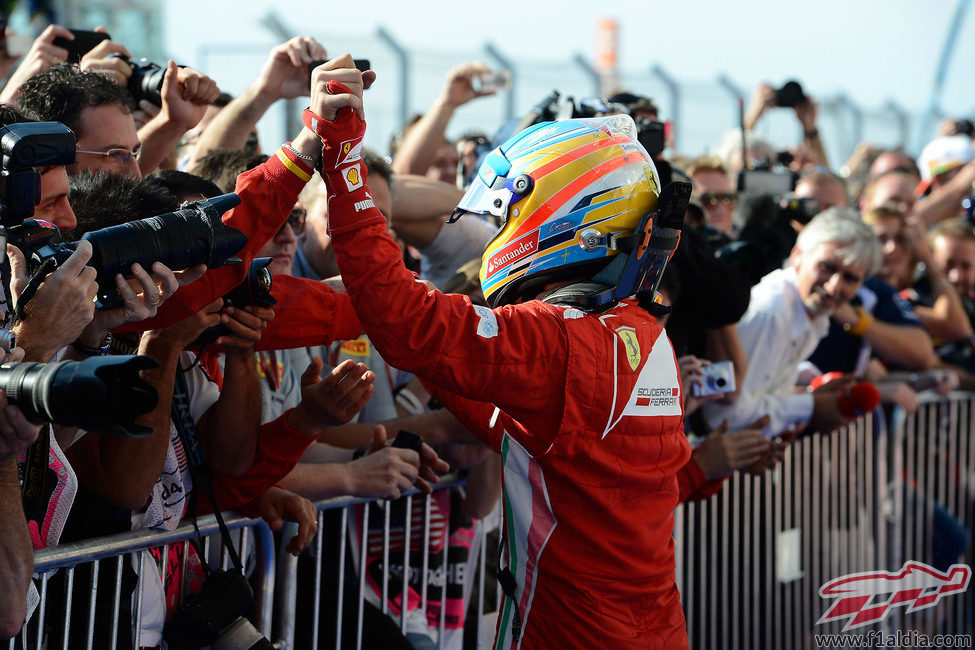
{"x":788,"y":315}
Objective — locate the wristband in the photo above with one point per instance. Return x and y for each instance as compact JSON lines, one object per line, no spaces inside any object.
{"x":859,"y":327}
{"x":89,"y":351}
{"x":811,"y":133}
{"x":307,"y":159}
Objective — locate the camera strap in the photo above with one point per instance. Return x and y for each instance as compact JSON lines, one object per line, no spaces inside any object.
{"x":35,"y":472}
{"x":36,"y":278}
{"x":197,"y":463}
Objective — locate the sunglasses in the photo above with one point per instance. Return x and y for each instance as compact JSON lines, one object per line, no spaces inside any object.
{"x":297,"y":220}
{"x":712,"y":199}
{"x":121,"y":157}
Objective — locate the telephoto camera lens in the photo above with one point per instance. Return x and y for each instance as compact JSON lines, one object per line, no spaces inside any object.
{"x":191,"y":235}
{"x":101,"y":394}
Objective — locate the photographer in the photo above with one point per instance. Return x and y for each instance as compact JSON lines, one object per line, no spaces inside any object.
{"x":100,"y":112}
{"x":792,"y":96}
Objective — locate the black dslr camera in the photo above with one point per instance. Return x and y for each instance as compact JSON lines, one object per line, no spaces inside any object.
{"x":192,"y":235}
{"x":146,"y":80}
{"x":25,"y":146}
{"x":215,"y":616}
{"x":254,"y":290}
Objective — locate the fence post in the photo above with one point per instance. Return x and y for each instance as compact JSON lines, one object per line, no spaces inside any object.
{"x":505,"y":63}
{"x":736,"y":92}
{"x":854,"y":135}
{"x":404,"y":73}
{"x":590,"y":71}
{"x":674,"y":89}
{"x":903,"y":122}
{"x":273,"y":23}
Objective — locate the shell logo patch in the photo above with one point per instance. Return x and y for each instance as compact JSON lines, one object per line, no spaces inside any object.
{"x":631,"y":344}
{"x":353,"y":178}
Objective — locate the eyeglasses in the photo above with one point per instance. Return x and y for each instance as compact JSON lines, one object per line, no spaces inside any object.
{"x":297,"y":220}
{"x":121,"y":157}
{"x":712,"y":199}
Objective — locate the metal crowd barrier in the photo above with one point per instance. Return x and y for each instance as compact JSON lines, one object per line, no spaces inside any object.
{"x":751,"y":559}
{"x":342,"y":546}
{"x":117,"y":549}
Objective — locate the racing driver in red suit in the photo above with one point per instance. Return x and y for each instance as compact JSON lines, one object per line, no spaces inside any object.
{"x":569,"y":376}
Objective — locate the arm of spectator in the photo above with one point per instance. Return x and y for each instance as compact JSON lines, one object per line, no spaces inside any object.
{"x":723,"y":344}
{"x":421,"y":206}
{"x":99,"y":60}
{"x":16,"y":553}
{"x":276,"y":506}
{"x":62,"y":306}
{"x":230,"y":427}
{"x":944,"y":202}
{"x":721,"y":453}
{"x":186,"y":94}
{"x":384,"y":473}
{"x":420,"y":145}
{"x":907,"y":345}
{"x":124,"y":470}
{"x":827,"y":417}
{"x":284,"y":76}
{"x":280,"y":444}
{"x":763,"y":98}
{"x":806,"y":112}
{"x":41,"y":55}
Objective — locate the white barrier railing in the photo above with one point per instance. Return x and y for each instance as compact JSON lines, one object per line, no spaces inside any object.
{"x":750,"y":560}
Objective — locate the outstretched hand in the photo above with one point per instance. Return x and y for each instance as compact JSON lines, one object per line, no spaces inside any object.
{"x":331,"y":401}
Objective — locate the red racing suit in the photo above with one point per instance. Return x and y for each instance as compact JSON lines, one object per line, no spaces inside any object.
{"x":590,"y":431}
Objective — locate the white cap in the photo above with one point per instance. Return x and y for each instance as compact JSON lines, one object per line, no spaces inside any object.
{"x":944,"y":154}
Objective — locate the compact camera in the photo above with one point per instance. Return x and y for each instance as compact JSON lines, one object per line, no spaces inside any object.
{"x":718,"y":378}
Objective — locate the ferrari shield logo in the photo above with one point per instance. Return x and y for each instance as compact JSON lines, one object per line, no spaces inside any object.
{"x":631,"y":344}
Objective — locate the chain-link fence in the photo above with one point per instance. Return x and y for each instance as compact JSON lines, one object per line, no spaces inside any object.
{"x":701,"y":110}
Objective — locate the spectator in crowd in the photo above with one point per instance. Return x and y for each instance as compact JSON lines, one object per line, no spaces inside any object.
{"x":947,"y":176}
{"x":713,"y":189}
{"x":425,"y":150}
{"x":825,"y":188}
{"x":905,"y":250}
{"x":786,"y":318}
{"x":100,"y":112}
{"x":894,"y":188}
{"x":952,"y":245}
